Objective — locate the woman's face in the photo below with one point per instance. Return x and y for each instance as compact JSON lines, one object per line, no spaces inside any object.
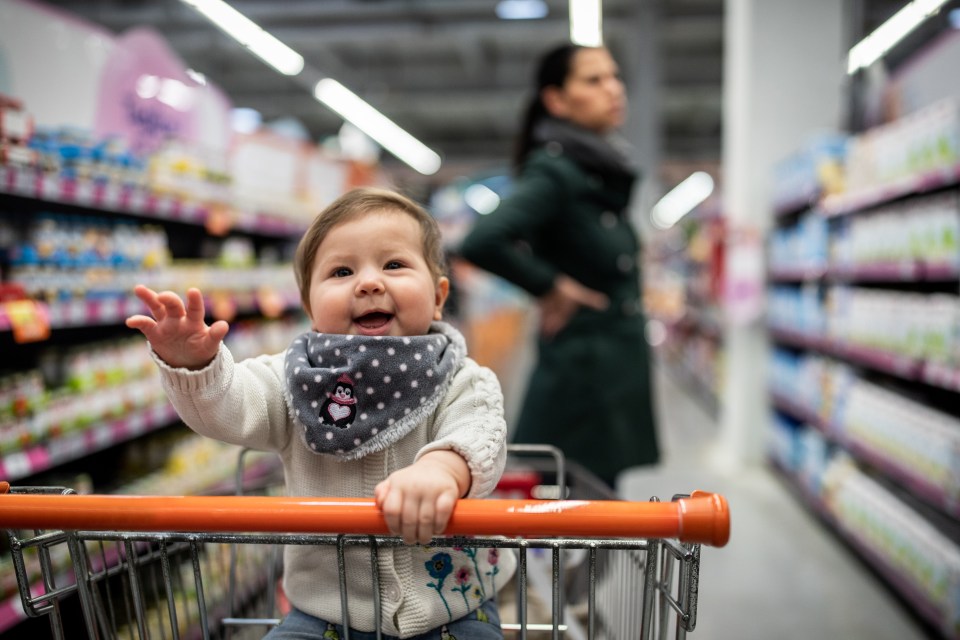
{"x":593,"y":95}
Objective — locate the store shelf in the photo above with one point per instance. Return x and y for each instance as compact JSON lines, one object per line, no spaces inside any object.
{"x":42,"y":457}
{"x":917,"y":485}
{"x":139,"y":201}
{"x":847,"y":203}
{"x":932,"y":373}
{"x":11,"y":608}
{"x":905,"y":271}
{"x":116,"y":309}
{"x":795,"y":203}
{"x":920,"y":603}
{"x":901,"y":366}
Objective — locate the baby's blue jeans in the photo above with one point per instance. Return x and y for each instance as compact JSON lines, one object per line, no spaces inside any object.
{"x":301,"y":626}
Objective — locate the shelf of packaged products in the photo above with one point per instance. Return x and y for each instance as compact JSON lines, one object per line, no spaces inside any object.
{"x":916,"y":484}
{"x":901,"y":366}
{"x":140,"y":201}
{"x":851,"y":202}
{"x":904,"y":271}
{"x":11,"y":608}
{"x":72,"y":446}
{"x":917,"y":601}
{"x":115,"y":309}
{"x":935,"y":374}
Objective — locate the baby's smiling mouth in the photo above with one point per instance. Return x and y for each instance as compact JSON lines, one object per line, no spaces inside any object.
{"x":374,"y":320}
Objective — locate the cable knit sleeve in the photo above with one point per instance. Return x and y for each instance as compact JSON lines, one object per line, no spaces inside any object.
{"x":238,"y":403}
{"x":470,"y":422}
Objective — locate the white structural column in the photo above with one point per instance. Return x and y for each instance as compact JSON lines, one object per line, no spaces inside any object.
{"x":783,"y":83}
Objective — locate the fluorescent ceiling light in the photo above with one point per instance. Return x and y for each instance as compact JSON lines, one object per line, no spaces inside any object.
{"x":251,"y":35}
{"x":521,"y":9}
{"x":681,"y":200}
{"x":884,"y":37}
{"x":481,"y":198}
{"x":354,"y":109}
{"x":586,"y":23}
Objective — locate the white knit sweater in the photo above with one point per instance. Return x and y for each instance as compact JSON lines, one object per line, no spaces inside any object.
{"x":420,"y":588}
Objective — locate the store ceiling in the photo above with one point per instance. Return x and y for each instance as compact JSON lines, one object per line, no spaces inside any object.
{"x":448,"y":71}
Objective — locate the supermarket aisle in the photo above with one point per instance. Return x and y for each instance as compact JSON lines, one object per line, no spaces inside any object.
{"x":783,"y":575}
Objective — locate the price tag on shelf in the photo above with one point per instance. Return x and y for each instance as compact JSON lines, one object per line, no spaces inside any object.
{"x":68,"y":448}
{"x":28,"y":319}
{"x":84,"y":192}
{"x":109,"y":310}
{"x":138,"y":200}
{"x":165,"y":205}
{"x":102,"y":436}
{"x":76,"y":313}
{"x":270,"y":302}
{"x":16,"y":465}
{"x":50,"y":186}
{"x":111,"y":195}
{"x":161,"y":414}
{"x":223,"y":306}
{"x":137,"y":422}
{"x":26,"y":183}
{"x":219,"y":220}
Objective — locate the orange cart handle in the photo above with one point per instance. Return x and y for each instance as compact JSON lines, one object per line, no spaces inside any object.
{"x":703,"y":517}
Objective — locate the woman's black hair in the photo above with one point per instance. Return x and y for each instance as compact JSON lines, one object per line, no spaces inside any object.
{"x":552,"y":71}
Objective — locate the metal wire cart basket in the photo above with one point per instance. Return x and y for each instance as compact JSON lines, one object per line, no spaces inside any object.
{"x":588,"y":566}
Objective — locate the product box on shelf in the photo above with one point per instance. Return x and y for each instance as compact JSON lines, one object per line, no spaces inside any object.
{"x":16,"y":123}
{"x":812,"y":172}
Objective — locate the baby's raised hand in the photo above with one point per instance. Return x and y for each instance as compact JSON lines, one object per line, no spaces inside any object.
{"x":177,"y":332}
{"x":417,"y":501}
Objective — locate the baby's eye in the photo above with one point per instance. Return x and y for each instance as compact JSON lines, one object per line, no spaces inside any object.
{"x":341,"y":272}
{"x":394,"y":264}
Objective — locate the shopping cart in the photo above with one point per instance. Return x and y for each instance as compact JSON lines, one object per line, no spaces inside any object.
{"x":179,"y":566}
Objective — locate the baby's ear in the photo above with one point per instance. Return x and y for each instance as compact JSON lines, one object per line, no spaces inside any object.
{"x":441,"y":293}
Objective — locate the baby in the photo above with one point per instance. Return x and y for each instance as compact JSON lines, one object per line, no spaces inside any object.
{"x":378,"y":399}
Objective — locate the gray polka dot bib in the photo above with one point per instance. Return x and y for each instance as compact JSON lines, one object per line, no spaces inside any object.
{"x":353,"y":395}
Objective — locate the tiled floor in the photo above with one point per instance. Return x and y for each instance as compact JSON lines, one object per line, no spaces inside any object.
{"x":783,"y":575}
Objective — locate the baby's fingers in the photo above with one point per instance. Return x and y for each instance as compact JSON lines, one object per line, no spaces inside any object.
{"x":172,"y":304}
{"x":218,"y":330}
{"x":195,"y":310}
{"x":391,"y":504}
{"x":149,"y":297}
{"x":142,"y":323}
{"x":444,"y":509}
{"x":420,"y":527}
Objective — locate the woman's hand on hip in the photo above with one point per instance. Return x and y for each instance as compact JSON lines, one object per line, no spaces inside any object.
{"x":559,"y":304}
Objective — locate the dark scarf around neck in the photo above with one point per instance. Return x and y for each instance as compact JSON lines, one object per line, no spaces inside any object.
{"x":606,"y":154}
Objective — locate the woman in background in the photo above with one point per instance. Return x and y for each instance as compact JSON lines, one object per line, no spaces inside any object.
{"x":563,"y":234}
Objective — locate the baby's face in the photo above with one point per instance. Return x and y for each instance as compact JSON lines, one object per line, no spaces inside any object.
{"x":370,"y":278}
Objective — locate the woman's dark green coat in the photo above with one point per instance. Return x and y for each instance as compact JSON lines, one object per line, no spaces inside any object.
{"x":590,"y":391}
